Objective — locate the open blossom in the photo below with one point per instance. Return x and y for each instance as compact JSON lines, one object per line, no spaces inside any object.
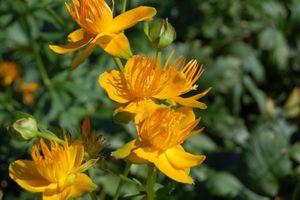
{"x":9,"y":72}
{"x":143,"y":84}
{"x":99,"y":27}
{"x":57,"y":172}
{"x":160,"y":137}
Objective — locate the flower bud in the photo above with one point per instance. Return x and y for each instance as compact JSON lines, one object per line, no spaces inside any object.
{"x":24,"y":129}
{"x":160,"y":33}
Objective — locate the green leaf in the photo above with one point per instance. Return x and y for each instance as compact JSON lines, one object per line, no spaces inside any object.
{"x":250,"y":62}
{"x":224,"y":74}
{"x":295,"y":152}
{"x":165,"y":192}
{"x":266,"y":157}
{"x":269,"y":38}
{"x":223,"y":184}
{"x":256,"y":93}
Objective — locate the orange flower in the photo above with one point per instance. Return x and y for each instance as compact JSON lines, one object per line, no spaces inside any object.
{"x":9,"y":72}
{"x":99,"y":27}
{"x":143,"y":84}
{"x":57,"y":172}
{"x":160,"y":137}
{"x":28,"y":91}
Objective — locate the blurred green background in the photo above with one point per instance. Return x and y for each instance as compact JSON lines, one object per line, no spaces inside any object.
{"x":251,"y":53}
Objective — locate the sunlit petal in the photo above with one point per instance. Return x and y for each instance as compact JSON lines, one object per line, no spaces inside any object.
{"x":81,"y":185}
{"x":190,"y":102}
{"x":26,"y":175}
{"x":131,"y":17}
{"x":116,"y":45}
{"x":125,"y":150}
{"x":113,"y":83}
{"x":181,"y":159}
{"x":164,"y":165}
{"x":71,"y":46}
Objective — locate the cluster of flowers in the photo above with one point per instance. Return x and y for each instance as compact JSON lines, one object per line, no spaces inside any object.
{"x":145,"y":88}
{"x":10,"y":74}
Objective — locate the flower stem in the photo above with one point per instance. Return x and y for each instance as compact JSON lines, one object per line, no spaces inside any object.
{"x":93,"y":196}
{"x":158,"y":58}
{"x":36,"y":52}
{"x":124,"y":5}
{"x":41,"y":66}
{"x":50,"y":137}
{"x":150,"y":182}
{"x":53,"y":14}
{"x":125,"y":173}
{"x":119,"y":63}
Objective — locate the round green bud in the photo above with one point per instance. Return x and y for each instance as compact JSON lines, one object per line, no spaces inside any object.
{"x":24,"y":129}
{"x":160,"y":33}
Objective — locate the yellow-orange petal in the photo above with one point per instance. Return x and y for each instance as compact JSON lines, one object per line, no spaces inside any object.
{"x":71,"y":46}
{"x":146,"y":153}
{"x":26,"y":175}
{"x":173,"y":86}
{"x":113,"y":83}
{"x":131,"y":17}
{"x":76,"y":35}
{"x":116,"y":45}
{"x":181,"y":159}
{"x":189,"y":116}
{"x":142,"y":109}
{"x":85,"y":166}
{"x":190,"y":102}
{"x":75,"y":154}
{"x":164,"y":165}
{"x":55,"y":194}
{"x":133,"y":158}
{"x":81,"y":185}
{"x":124,"y":151}
{"x":202,"y":94}
{"x":83,"y":55}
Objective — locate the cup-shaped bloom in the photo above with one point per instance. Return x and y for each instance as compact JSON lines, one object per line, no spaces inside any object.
{"x":9,"y":72}
{"x":99,"y":27}
{"x":143,"y":84}
{"x":160,"y":142}
{"x":57,"y":172}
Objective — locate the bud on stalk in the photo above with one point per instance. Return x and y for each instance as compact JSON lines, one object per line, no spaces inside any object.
{"x":160,"y":33}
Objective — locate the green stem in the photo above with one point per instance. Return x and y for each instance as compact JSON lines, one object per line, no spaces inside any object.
{"x":53,"y":14}
{"x":124,"y":5}
{"x":50,"y":137}
{"x":126,"y":171}
{"x":150,"y":182}
{"x":296,"y":191}
{"x":119,"y":63}
{"x":41,"y":66}
{"x":36,"y":52}
{"x":158,"y":57}
{"x":93,"y":196}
